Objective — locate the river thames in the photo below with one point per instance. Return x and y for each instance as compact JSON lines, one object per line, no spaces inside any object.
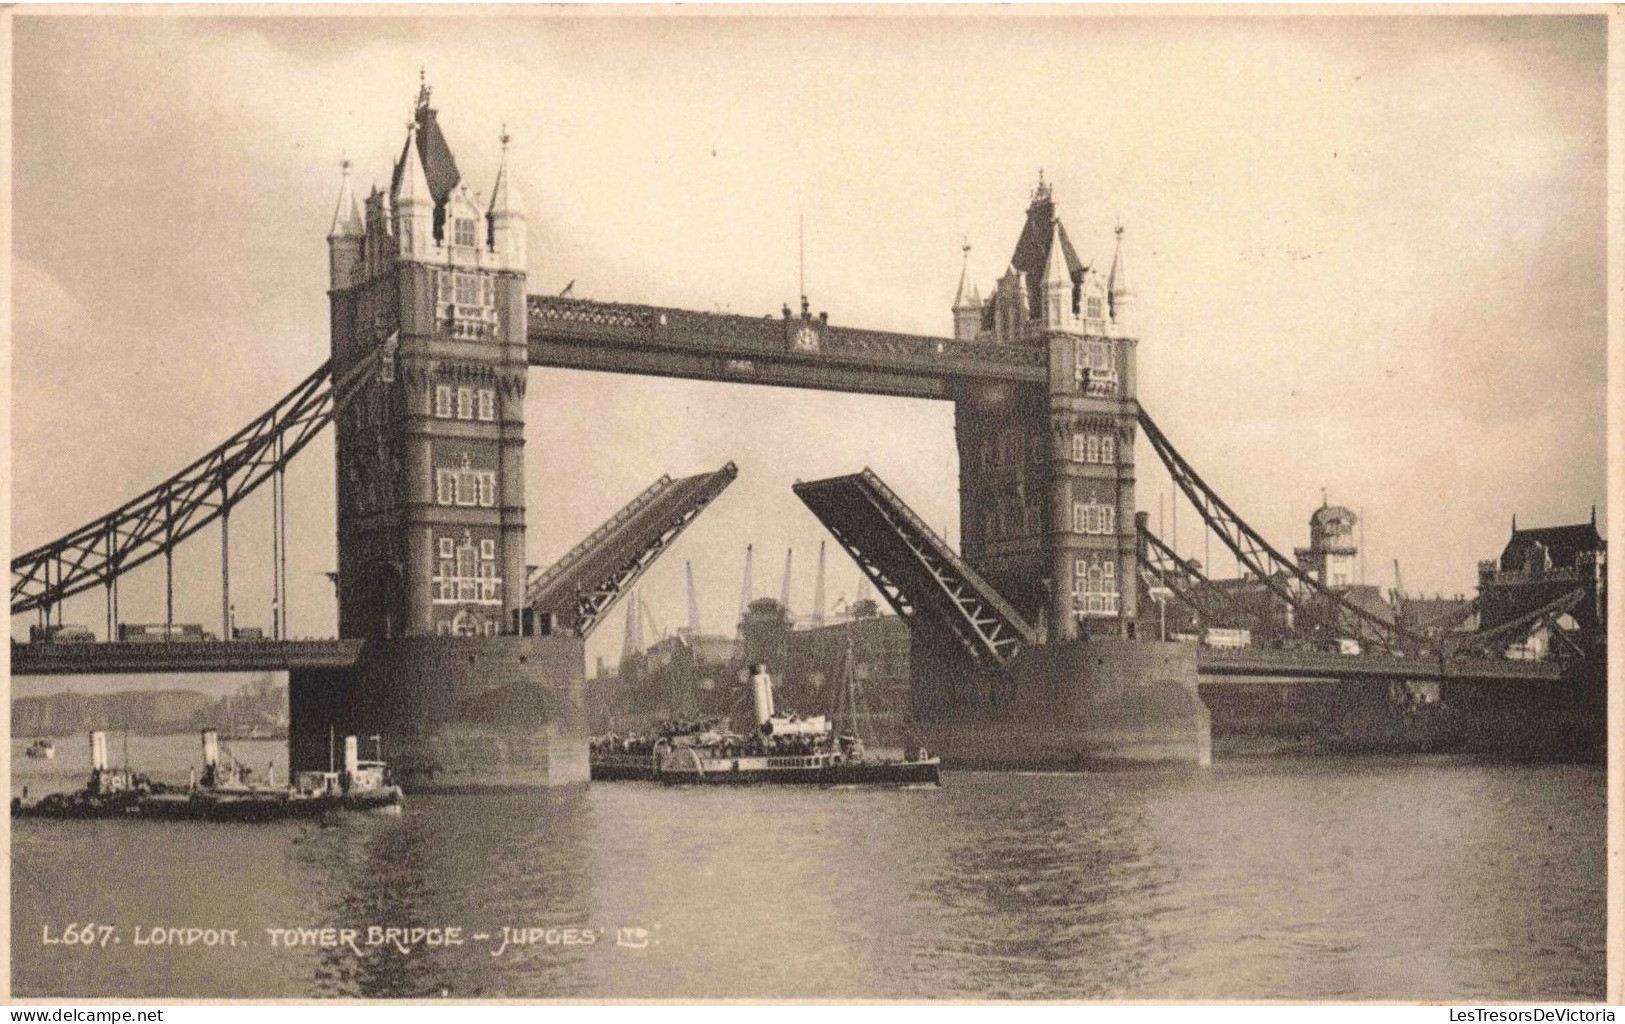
{"x":1340,"y":879}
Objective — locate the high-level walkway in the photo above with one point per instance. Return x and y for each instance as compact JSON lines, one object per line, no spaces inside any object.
{"x":789,"y":351}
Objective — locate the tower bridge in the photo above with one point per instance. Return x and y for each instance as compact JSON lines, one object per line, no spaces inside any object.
{"x":1031,"y":643}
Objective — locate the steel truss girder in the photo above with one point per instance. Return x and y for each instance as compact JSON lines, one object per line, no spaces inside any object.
{"x":1450,"y":622}
{"x":574,"y":586}
{"x":1490,"y":641}
{"x":154,"y":522}
{"x":1310,"y":600}
{"x":977,"y":616}
{"x":1160,"y":564}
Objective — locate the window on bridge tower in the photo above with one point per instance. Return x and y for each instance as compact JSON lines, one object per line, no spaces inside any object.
{"x":1094,"y":587}
{"x":465,"y":403}
{"x":1097,"y":448}
{"x":442,"y":401}
{"x":486,"y":400}
{"x":466,"y":572}
{"x":1096,"y":372}
{"x":1093,"y":517}
{"x":464,"y":233}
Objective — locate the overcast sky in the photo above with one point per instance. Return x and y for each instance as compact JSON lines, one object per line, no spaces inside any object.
{"x":1369,"y":253}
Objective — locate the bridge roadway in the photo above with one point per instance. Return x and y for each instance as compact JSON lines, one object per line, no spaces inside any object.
{"x":1214,"y":665}
{"x":790,"y":351}
{"x":1245,"y":665}
{"x":73,"y":659}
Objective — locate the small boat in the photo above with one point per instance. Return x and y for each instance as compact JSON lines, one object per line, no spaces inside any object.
{"x":783,"y":749}
{"x":224,"y":792}
{"x":42,"y":749}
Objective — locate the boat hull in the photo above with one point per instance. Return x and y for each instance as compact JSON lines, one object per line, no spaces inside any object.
{"x":250,"y":806}
{"x":757,"y":772}
{"x":623,"y":768}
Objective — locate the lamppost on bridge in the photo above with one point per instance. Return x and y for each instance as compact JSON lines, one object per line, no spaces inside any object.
{"x":1161,"y":596}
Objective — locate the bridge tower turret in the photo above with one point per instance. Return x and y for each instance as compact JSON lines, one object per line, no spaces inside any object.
{"x":505,"y":220}
{"x":430,"y":455}
{"x":345,"y":238}
{"x":1120,"y":294}
{"x":967,"y":305}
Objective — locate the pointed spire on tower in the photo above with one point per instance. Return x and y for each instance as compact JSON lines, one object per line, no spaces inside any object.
{"x":505,"y":219}
{"x":1056,"y":271}
{"x":1056,"y":288}
{"x":967,"y":296}
{"x":1119,"y":296}
{"x":1117,"y":280}
{"x":413,"y":185}
{"x":413,"y":205}
{"x":1041,"y":194}
{"x":347,"y":219}
{"x":503,"y":198}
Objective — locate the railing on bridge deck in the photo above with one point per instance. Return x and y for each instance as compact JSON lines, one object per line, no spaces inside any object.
{"x":46,"y":658}
{"x":1266,"y":665}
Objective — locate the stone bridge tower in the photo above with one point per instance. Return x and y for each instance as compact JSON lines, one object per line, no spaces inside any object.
{"x":1047,"y":475}
{"x":431,"y":516}
{"x":431,"y":510}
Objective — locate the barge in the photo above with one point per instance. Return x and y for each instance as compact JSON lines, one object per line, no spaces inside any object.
{"x":224,"y":792}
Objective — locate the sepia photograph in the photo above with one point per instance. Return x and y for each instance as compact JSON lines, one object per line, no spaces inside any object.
{"x":805,"y":504}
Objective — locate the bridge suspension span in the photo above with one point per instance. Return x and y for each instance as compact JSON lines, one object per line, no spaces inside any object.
{"x":153,"y":523}
{"x":1314,"y":605}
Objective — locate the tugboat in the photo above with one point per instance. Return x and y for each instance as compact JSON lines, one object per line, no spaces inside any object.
{"x":782,"y":749}
{"x":43,"y":749}
{"x":225,"y":792}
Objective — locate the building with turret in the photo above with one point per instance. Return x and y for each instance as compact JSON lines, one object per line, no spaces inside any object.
{"x":1542,"y":567}
{"x":1331,"y":557}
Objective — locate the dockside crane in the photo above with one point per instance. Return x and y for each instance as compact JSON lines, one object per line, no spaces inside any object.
{"x":784,"y":587}
{"x":818,"y":590}
{"x":693,"y":602}
{"x":744,"y":589}
{"x":632,"y":644}
{"x":655,"y":631}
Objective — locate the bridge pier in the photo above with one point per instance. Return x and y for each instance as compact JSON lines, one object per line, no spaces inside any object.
{"x":1064,"y":705}
{"x":453,"y":714}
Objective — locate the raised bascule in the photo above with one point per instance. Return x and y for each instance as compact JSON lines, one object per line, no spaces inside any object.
{"x":1036,"y":645}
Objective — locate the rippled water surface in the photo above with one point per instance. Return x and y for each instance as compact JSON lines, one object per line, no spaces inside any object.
{"x":1326,"y":878}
